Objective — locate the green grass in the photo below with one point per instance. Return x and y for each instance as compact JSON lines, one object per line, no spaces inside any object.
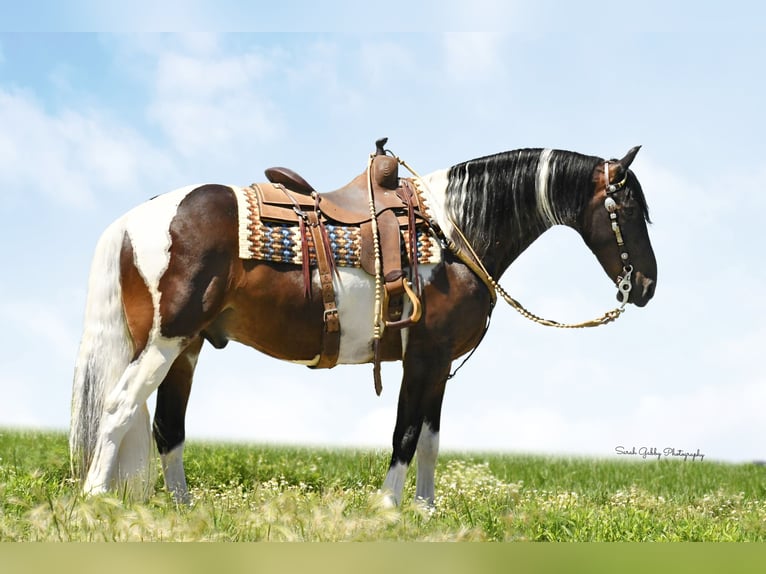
{"x":254,"y":493}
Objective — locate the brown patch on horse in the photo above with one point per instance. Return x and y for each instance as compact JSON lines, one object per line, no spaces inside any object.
{"x":203,"y":243}
{"x":456,"y":304}
{"x":136,"y":299}
{"x":268,"y":310}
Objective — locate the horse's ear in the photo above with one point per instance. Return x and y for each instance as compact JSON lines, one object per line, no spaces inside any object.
{"x":629,"y":157}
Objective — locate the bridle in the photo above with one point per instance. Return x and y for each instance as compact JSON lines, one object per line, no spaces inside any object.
{"x":624,"y":284}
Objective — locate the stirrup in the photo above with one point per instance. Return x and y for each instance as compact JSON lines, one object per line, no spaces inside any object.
{"x":417,"y":309}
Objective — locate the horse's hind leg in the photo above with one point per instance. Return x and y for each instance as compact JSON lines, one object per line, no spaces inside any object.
{"x":417,"y":423}
{"x":123,"y":408}
{"x":169,"y":417}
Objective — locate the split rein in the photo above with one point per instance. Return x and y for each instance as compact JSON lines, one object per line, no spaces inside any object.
{"x":473,"y":261}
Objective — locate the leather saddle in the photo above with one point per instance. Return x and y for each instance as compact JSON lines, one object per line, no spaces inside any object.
{"x":350,"y":204}
{"x":290,"y":198}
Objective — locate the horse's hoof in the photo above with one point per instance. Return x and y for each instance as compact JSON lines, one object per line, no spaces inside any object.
{"x":388,"y":500}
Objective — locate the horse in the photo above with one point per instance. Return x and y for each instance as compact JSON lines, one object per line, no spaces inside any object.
{"x":167,"y":276}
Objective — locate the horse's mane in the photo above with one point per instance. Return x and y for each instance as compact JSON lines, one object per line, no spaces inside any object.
{"x":513,"y":195}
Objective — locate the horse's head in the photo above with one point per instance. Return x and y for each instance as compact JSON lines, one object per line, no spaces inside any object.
{"x":614,"y":228}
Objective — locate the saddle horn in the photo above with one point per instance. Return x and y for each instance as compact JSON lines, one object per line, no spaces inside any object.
{"x":385,"y":168}
{"x":379,"y":146}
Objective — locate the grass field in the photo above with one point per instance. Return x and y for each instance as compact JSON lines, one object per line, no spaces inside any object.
{"x":259,"y":493}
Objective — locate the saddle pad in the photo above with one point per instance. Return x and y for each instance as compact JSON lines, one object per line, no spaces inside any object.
{"x":280,"y":242}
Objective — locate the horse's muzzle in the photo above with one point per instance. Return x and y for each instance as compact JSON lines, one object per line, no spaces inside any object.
{"x":643,"y":290}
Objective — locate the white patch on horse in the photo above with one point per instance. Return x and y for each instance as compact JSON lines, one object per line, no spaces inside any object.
{"x":355,"y":298}
{"x":148,"y":226}
{"x":542,"y":189}
{"x":434,"y":187}
{"x":427,"y":452}
{"x":394,"y":483}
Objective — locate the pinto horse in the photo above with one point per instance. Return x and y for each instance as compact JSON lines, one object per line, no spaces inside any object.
{"x":167,"y":275}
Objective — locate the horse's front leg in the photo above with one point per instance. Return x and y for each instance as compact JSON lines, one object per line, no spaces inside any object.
{"x":417,"y":422}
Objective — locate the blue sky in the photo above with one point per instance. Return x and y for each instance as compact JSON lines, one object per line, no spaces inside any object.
{"x":92,"y":124}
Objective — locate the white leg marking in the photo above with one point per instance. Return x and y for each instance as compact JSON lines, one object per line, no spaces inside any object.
{"x":428,"y":450}
{"x":394,"y":483}
{"x":134,"y":468}
{"x":173,"y":461}
{"x":173,"y":471}
{"x":122,"y":406}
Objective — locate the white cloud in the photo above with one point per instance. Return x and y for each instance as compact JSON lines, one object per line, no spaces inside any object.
{"x":43,"y":325}
{"x":723,"y":419}
{"x":372,"y":428}
{"x":473,"y":58}
{"x":147,"y":16}
{"x":487,"y":15}
{"x":17,"y":409}
{"x":73,"y":156}
{"x":214,"y":104}
{"x":672,"y":196}
{"x":383,"y":63}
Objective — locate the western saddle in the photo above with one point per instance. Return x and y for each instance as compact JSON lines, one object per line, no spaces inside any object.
{"x":383,"y":206}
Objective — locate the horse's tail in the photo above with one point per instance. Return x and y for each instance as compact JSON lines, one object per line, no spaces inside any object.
{"x":105,"y":349}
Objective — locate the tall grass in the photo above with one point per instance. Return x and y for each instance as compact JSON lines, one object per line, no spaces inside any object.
{"x":260,"y":493}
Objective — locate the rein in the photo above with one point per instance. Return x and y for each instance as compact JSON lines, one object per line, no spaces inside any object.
{"x":475,"y":264}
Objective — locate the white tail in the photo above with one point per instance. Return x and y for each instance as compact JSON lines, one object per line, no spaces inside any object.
{"x":105,"y":349}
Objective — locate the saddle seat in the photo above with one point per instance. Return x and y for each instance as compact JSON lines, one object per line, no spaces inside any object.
{"x":349,"y":204}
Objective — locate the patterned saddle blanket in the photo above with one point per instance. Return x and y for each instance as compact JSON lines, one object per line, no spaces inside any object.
{"x":279,"y":241}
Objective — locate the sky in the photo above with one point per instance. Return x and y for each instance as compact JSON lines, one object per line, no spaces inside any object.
{"x":91,"y":124}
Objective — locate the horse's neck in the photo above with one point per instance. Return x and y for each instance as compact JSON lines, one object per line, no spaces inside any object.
{"x":500,"y":215}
